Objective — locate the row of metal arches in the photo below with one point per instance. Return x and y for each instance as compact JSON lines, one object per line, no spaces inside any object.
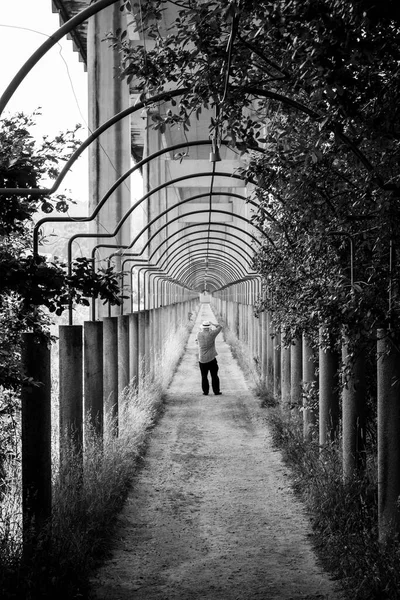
{"x":182,"y":254}
{"x":182,"y":266}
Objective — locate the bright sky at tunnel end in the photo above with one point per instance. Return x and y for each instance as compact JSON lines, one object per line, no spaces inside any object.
{"x":57,"y":84}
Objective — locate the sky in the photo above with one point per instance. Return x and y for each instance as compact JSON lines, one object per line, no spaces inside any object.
{"x":57,"y":84}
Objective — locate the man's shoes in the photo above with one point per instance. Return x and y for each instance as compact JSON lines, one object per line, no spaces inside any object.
{"x":205,"y":393}
{"x":218,"y":394}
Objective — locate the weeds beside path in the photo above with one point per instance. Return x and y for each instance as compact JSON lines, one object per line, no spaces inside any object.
{"x":212,"y":514}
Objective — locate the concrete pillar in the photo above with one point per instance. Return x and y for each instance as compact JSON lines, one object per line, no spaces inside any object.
{"x":158,"y":330}
{"x":270,"y":355}
{"x":123,"y":352}
{"x":264,"y":347}
{"x":110,"y":154}
{"x":151,"y":343}
{"x":285,"y":377}
{"x":110,"y":366}
{"x":148,"y":342}
{"x":93,"y":374}
{"x":133,"y":347}
{"x":277,"y":364}
{"x":258,"y":326}
{"x":237,"y":320}
{"x":309,"y":382}
{"x":296,"y":373}
{"x":353,"y":412}
{"x":71,"y":386}
{"x":388,"y":388}
{"x":328,"y":395}
{"x":36,"y":435}
{"x":142,"y":343}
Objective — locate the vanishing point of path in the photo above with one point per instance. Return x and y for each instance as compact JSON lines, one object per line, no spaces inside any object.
{"x":211,"y":515}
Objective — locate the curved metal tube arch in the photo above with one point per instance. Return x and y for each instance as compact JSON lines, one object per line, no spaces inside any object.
{"x":194,"y":212}
{"x":111,"y":190}
{"x":215,"y":261}
{"x":175,"y":255}
{"x":138,"y":203}
{"x":186,"y":272}
{"x":191,"y":225}
{"x":192,"y":241}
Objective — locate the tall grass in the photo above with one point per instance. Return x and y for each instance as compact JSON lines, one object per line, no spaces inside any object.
{"x":344,"y":514}
{"x":89,"y":490}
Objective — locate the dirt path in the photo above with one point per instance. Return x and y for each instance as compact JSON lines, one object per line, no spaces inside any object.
{"x":212,"y":515}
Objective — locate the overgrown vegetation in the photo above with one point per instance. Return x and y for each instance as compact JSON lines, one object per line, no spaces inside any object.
{"x":343,"y":514}
{"x":86,"y":499}
{"x":33,"y":287}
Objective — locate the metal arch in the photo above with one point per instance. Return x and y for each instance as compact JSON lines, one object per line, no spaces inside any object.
{"x":228,"y":244}
{"x":230,"y":284}
{"x":171,"y":263}
{"x":194,"y":212}
{"x":336,"y":128}
{"x":83,"y":16}
{"x":193,"y":261}
{"x":222,"y":270}
{"x":212,"y":280}
{"x":177,"y":253}
{"x":174,"y":206}
{"x":116,"y":184}
{"x":182,"y":237}
{"x":136,"y":257}
{"x":183,"y":272}
{"x":198,"y":225}
{"x":142,"y":199}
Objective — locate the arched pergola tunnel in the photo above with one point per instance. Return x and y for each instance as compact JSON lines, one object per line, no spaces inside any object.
{"x":194,"y":242}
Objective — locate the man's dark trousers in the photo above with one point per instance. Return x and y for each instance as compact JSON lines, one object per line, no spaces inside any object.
{"x":211,"y":367}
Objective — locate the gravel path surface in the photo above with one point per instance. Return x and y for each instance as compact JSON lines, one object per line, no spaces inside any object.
{"x":211,"y":515}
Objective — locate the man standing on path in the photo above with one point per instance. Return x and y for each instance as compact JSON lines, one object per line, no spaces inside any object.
{"x":207,"y":353}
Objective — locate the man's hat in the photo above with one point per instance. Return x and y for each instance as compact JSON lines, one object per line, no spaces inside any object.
{"x":206,"y":324}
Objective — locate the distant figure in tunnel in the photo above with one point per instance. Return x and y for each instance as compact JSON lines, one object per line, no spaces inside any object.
{"x":207,"y":353}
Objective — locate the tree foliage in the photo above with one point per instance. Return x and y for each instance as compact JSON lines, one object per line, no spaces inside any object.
{"x":310,"y":90}
{"x":33,"y":287}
